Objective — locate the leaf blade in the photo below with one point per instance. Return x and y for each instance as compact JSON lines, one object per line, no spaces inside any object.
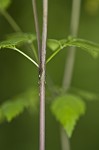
{"x":15,"y":106}
{"x":57,"y":45}
{"x":17,"y":39}
{"x":67,"y":109}
{"x":86,"y":45}
{"x":53,"y":44}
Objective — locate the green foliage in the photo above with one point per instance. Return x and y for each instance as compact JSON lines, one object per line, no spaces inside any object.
{"x":24,"y":37}
{"x":17,"y":39}
{"x":4,"y":4}
{"x":88,"y":46}
{"x":67,"y":109}
{"x":15,"y":106}
{"x":53,"y":44}
{"x":57,"y":46}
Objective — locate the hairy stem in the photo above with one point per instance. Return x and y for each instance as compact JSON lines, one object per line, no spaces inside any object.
{"x":42,"y":76}
{"x":68,"y":71}
{"x":37,"y":27}
{"x":10,"y":20}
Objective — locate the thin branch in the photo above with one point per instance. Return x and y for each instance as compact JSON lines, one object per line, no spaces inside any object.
{"x":52,"y":56}
{"x":68,"y":72}
{"x":37,"y":27}
{"x":29,"y":58}
{"x":42,"y":76}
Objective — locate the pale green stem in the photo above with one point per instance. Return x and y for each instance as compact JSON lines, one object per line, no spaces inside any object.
{"x":52,"y":56}
{"x":29,"y":58}
{"x":55,"y":53}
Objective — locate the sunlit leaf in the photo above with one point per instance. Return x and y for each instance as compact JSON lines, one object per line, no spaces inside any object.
{"x":4,"y":4}
{"x":13,"y":109}
{"x":15,"y":106}
{"x":67,"y":109}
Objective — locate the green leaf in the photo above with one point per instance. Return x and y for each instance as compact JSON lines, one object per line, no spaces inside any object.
{"x":25,"y":37}
{"x":67,"y":109}
{"x":58,"y":45}
{"x":17,"y":39}
{"x":15,"y":106}
{"x":86,"y":45}
{"x":53,"y":44}
{"x":4,"y":4}
{"x":12,"y":109}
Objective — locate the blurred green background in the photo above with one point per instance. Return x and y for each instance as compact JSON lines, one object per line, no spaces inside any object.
{"x":17,"y":74}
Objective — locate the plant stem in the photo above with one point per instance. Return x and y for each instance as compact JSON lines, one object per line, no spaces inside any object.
{"x":42,"y":76}
{"x":37,"y":26}
{"x":10,"y":20}
{"x":52,"y":56}
{"x":71,"y":52}
{"x":70,"y":62}
{"x":29,"y":58}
